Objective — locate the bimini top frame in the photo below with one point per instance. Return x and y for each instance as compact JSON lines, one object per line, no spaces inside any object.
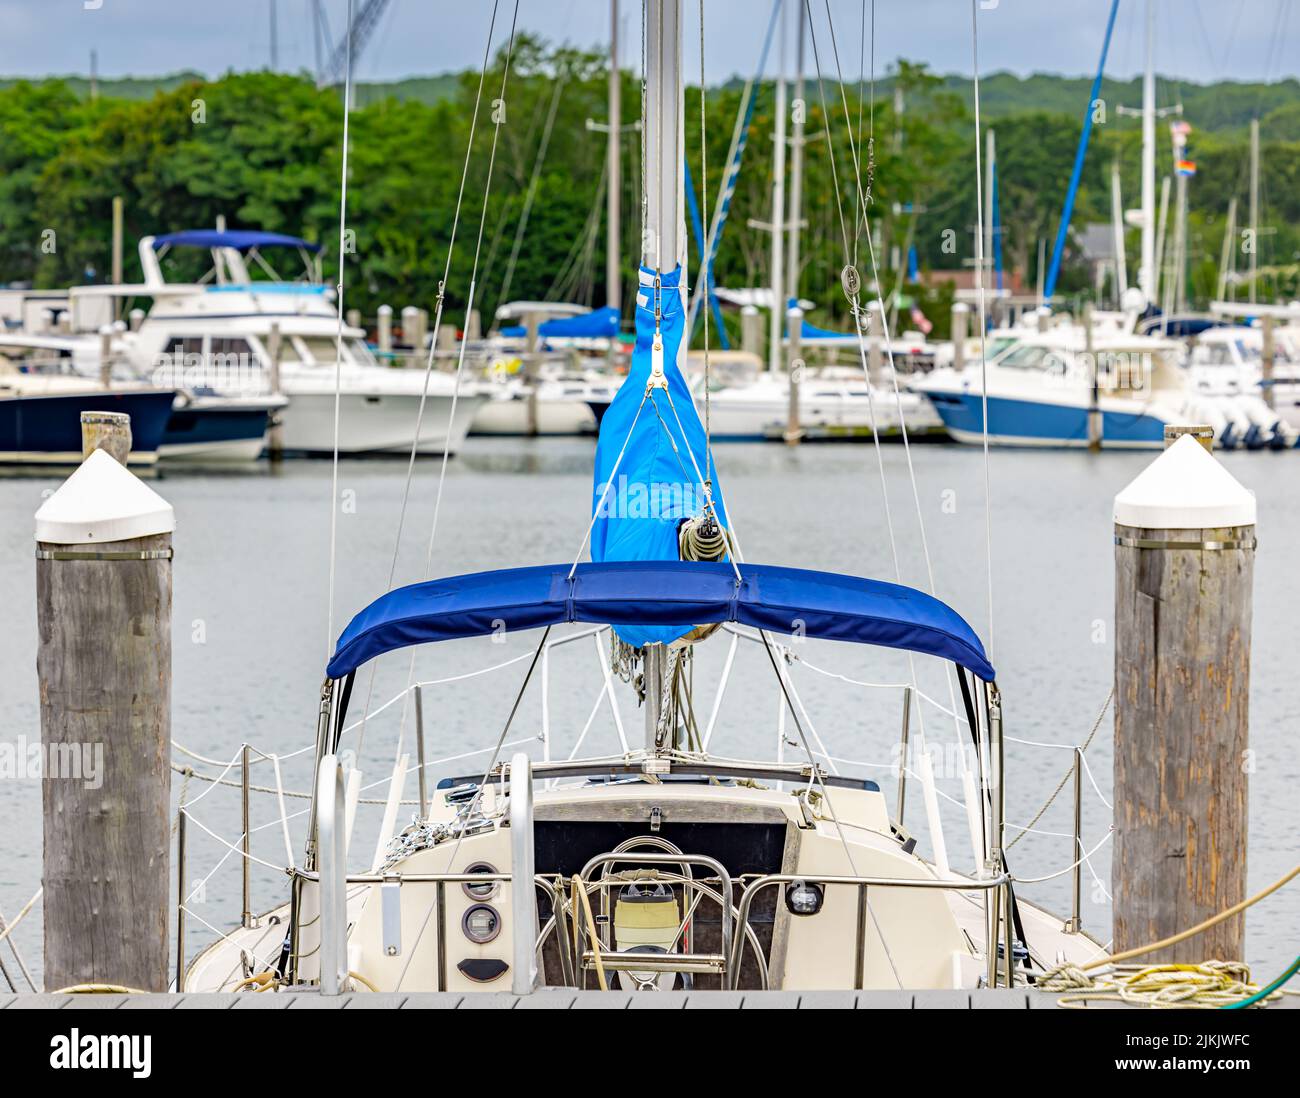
{"x":672,"y":593}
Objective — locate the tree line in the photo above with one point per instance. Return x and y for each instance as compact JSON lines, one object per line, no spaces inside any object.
{"x":263,"y":150}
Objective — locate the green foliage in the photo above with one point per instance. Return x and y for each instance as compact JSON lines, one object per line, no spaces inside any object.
{"x":264,"y":150}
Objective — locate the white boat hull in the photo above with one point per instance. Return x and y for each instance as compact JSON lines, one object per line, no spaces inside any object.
{"x":737,"y":416}
{"x":509,"y":416}
{"x":372,"y":422}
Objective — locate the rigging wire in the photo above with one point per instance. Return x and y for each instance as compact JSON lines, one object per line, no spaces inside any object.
{"x":704,"y":273}
{"x":522,"y":227}
{"x":338,"y":348}
{"x":979,"y":289}
{"x":428,"y":368}
{"x":469,"y":306}
{"x":861,"y":210}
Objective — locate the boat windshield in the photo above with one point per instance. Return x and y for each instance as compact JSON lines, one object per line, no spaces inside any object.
{"x":1031,"y":356}
{"x":998,"y":345}
{"x":320,"y":350}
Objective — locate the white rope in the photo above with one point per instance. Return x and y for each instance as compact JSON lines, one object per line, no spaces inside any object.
{"x":1095,"y":787}
{"x":595,"y":512}
{"x":723,"y":679}
{"x":225,"y":937}
{"x":1069,"y":868}
{"x":338,"y":346}
{"x":22,"y":914}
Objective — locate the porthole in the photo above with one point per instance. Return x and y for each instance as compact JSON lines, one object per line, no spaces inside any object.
{"x":487,"y":889}
{"x":481,"y":923}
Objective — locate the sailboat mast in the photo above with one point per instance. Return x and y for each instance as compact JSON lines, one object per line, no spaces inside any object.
{"x":613,"y":245}
{"x":796,"y":165}
{"x":664,"y":238}
{"x":664,"y":234}
{"x":1117,"y":227}
{"x":1147,"y":272}
{"x":1254,"y":206}
{"x":778,"y":205}
{"x":990,"y":172}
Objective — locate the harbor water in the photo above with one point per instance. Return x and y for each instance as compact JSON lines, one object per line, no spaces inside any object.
{"x":252,"y":612}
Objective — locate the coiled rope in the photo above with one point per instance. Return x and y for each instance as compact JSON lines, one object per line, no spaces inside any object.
{"x":1206,"y":986}
{"x":1211,"y":984}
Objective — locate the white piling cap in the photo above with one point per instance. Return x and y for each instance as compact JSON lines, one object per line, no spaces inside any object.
{"x":1185,"y":488}
{"x":102,"y":501}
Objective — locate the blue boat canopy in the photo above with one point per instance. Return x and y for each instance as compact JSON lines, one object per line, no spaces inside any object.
{"x":240,"y":239}
{"x":675,"y":594}
{"x":600,"y":323}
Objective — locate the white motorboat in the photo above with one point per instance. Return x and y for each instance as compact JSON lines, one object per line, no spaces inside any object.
{"x":556,"y":402}
{"x":220,"y":336}
{"x":1040,"y":392}
{"x":1227,"y":363}
{"x":204,"y":425}
{"x":834,"y":403}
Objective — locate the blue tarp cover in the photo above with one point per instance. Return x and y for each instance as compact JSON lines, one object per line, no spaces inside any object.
{"x":600,"y":323}
{"x":657,"y":484}
{"x":666,"y":593}
{"x":243,"y":239}
{"x":811,"y":331}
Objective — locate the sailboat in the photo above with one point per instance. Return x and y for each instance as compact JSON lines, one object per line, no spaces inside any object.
{"x":660,"y":866}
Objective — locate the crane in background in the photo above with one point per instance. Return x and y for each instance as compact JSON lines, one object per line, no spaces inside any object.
{"x":331,"y":57}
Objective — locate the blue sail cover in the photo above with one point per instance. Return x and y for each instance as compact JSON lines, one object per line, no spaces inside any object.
{"x":654,"y":488}
{"x":600,"y":323}
{"x":668,"y":594}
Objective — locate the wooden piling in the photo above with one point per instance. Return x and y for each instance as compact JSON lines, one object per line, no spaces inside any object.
{"x":275,"y":353}
{"x":532,"y":345}
{"x":960,"y":333}
{"x":1184,"y":561}
{"x":109,"y":431}
{"x":1268,"y":356}
{"x":103,"y":605}
{"x":875,"y":344}
{"x":751,"y":331}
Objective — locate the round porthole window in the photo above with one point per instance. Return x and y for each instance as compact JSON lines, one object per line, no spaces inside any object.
{"x":481,"y":923}
{"x":487,"y":889}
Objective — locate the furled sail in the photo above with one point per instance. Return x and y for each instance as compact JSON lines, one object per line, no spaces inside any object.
{"x":651,"y":455}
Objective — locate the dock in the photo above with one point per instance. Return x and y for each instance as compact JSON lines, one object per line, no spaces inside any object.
{"x":567,"y":999}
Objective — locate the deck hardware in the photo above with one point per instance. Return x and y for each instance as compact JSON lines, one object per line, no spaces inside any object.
{"x":390,"y":896}
{"x":656,"y":818}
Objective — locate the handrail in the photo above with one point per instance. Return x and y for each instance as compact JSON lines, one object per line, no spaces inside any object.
{"x":523,"y":904}
{"x":755,"y":886}
{"x":332,"y":852}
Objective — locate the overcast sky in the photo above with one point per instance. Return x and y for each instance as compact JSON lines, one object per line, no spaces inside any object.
{"x":1198,"y":39}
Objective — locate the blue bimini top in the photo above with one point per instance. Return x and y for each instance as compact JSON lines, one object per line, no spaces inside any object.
{"x":677,"y":595}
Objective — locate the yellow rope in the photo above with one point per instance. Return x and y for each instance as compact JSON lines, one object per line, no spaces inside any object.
{"x":99,"y":989}
{"x":362,"y":981}
{"x":1206,"y":986}
{"x":580,"y":893}
{"x":1209,"y":985}
{"x":1212,"y":921}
